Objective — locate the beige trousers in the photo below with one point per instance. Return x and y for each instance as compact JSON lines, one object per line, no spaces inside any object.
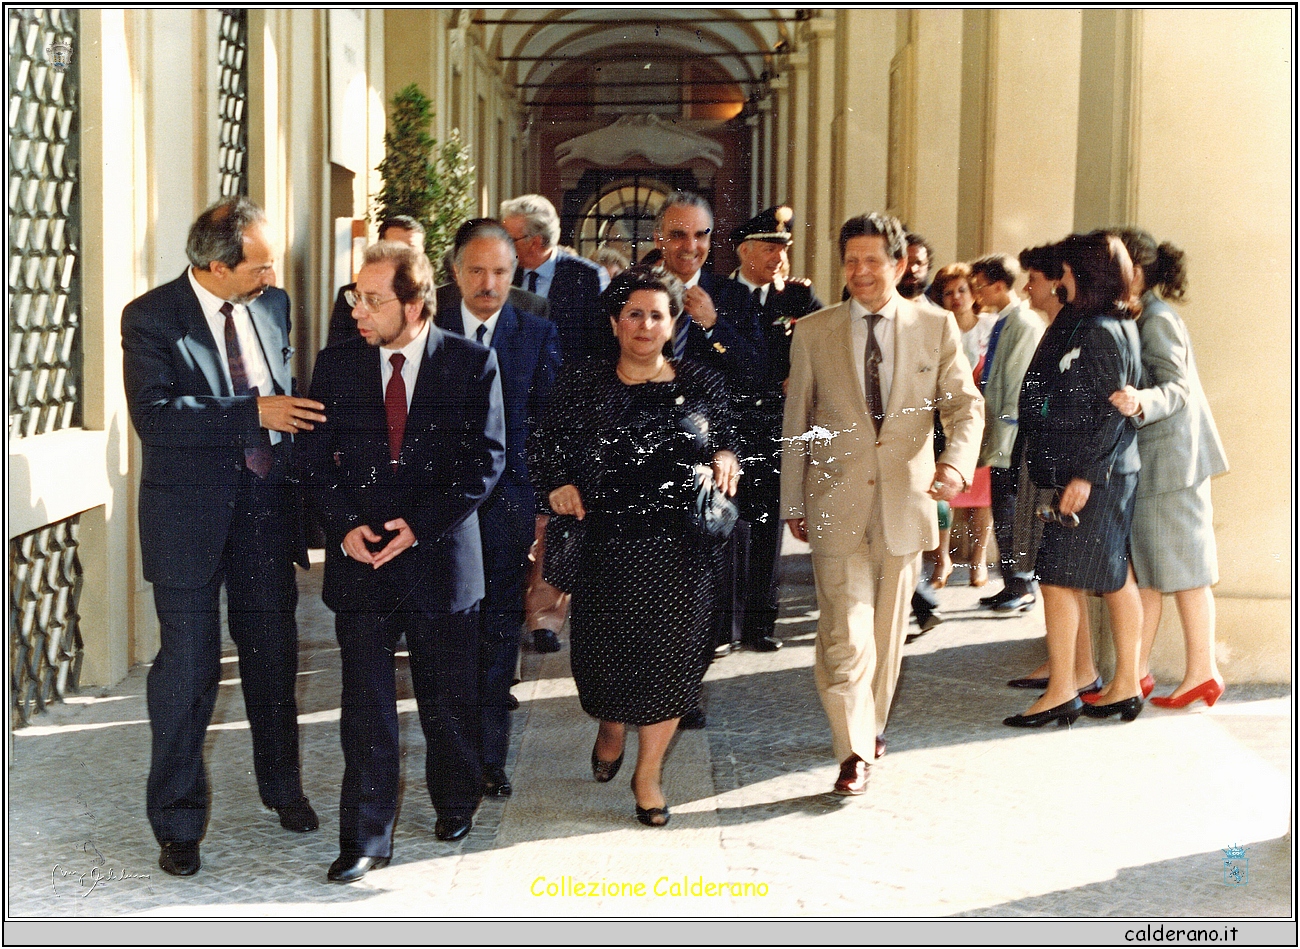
{"x":864,"y":599}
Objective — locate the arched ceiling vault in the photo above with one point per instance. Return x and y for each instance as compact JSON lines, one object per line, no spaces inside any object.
{"x":537,"y":47}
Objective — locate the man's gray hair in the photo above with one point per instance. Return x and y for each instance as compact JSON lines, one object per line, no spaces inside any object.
{"x":687,"y":199}
{"x":539,"y":216}
{"x":476,"y":228}
{"x":218,"y":234}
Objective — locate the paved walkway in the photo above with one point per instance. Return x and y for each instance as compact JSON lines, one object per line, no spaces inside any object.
{"x":963,"y":816}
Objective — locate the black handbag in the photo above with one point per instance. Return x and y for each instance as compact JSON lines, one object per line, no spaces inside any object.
{"x":713,"y":516}
{"x":562,"y":560}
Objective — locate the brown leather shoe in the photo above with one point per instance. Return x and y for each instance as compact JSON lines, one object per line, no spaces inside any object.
{"x":853,"y":776}
{"x":880,"y":747}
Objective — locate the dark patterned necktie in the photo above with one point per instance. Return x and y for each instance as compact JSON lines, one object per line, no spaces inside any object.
{"x":679,"y":337}
{"x":480,"y":333}
{"x":532,"y":281}
{"x":395,"y":406}
{"x":875,"y":403}
{"x":257,"y":457}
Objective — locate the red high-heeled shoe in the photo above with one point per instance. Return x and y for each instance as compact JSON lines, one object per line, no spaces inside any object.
{"x":1209,"y":690}
{"x":1147,"y":684}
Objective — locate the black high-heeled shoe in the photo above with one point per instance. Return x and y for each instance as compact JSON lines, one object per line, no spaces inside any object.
{"x":604,"y":771}
{"x":650,"y":816}
{"x":1128,"y":709}
{"x":1064,"y":714}
{"x":1094,"y":686}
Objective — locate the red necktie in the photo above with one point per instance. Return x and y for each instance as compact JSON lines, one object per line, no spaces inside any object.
{"x":395,"y":406}
{"x":257,"y":456}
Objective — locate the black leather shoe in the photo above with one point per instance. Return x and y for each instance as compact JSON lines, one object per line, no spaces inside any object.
{"x":1127,"y":709}
{"x":512,"y":703}
{"x":692,"y":720}
{"x":604,"y":771}
{"x":763,"y":644}
{"x":350,"y":867}
{"x":993,"y":598}
{"x":544,"y":640}
{"x":1039,"y":684}
{"x":180,"y":858}
{"x":927,"y":622}
{"x":452,"y":828}
{"x":1095,"y":686}
{"x":298,"y":817}
{"x":495,"y":782}
{"x":1067,"y":713}
{"x":1015,"y":604}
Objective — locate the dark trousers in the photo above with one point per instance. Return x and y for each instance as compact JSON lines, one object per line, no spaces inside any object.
{"x":760,"y":562}
{"x":443,"y":649}
{"x":507,"y":526}
{"x":1002,"y":486}
{"x":261,"y":595}
{"x":729,"y":602}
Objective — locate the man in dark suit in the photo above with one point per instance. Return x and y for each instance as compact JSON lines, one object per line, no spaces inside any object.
{"x":572,"y":286}
{"x":414,"y":444}
{"x":217,"y":507}
{"x":448,"y":297}
{"x":723,"y":333}
{"x":762,"y":244}
{"x":398,"y":227}
{"x":528,"y":354}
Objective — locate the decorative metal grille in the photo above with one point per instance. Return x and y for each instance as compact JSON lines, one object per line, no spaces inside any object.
{"x":44,"y":628}
{"x":232,"y":102}
{"x":44,"y":223}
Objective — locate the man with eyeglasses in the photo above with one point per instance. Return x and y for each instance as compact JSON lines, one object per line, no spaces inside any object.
{"x":571,"y":286}
{"x":398,"y":227}
{"x":414,"y":444}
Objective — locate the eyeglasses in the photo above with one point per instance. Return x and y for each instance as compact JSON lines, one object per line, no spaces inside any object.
{"x":1050,"y":514}
{"x":366,"y":301}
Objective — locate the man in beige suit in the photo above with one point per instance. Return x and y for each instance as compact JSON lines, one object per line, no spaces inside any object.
{"x":858,"y":477}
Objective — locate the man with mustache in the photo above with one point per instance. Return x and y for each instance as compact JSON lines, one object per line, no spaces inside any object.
{"x":528,"y":353}
{"x":208,"y":375}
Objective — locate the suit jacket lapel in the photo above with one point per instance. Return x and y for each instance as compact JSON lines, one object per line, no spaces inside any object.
{"x":428,"y":383}
{"x":275,"y":348}
{"x":843,"y":344}
{"x":904,"y":339}
{"x":198,"y":341}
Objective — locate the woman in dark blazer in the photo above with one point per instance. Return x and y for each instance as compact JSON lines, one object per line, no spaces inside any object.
{"x":1173,"y":530}
{"x":1083,"y":462}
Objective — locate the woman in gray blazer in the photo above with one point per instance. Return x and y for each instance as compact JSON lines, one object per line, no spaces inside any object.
{"x":1173,"y":547}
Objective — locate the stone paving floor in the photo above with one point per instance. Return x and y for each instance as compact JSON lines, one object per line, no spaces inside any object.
{"x":964,"y":817}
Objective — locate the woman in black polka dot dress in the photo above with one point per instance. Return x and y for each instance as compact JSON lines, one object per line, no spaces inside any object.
{"x":619,"y":449}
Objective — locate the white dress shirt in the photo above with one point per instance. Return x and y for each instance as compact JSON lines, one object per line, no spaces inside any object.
{"x":250,"y":345}
{"x":472,"y":323}
{"x":414,"y":353}
{"x":884,"y":337}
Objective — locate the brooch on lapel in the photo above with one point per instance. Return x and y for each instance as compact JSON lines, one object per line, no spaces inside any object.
{"x":1069,"y":358}
{"x":719,"y":347}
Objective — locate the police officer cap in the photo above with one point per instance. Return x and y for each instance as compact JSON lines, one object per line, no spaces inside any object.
{"x":772,"y":226}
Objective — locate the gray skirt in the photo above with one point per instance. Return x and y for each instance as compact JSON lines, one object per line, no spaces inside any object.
{"x":1173,"y":544}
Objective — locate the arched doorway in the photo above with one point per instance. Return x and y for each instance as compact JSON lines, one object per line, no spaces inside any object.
{"x":618,"y":208}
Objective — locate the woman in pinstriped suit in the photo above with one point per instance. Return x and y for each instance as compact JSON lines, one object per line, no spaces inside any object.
{"x":1083,"y":460}
{"x":1173,"y":531}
